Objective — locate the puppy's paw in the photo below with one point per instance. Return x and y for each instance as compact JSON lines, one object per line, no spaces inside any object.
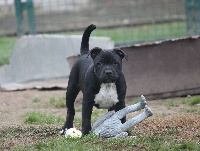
{"x":85,"y":132}
{"x":62,"y":132}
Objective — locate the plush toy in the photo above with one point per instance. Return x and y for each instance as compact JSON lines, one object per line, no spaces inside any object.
{"x":109,"y":125}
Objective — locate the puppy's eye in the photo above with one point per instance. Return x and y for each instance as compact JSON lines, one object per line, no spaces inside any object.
{"x":115,"y":63}
{"x":99,"y":64}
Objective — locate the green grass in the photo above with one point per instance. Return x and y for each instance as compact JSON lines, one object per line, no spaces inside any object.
{"x":172,"y":103}
{"x":195,"y":110}
{"x":133,"y":101}
{"x":142,"y":33}
{"x":190,"y":146}
{"x":57,"y":102}
{"x":121,"y":35}
{"x":94,"y":143}
{"x":36,"y":100}
{"x":60,"y":105}
{"x":6,"y":46}
{"x":40,"y":118}
{"x":191,"y":101}
{"x":145,"y":32}
{"x":79,"y":108}
{"x":172,"y":131}
{"x":163,"y":142}
{"x":40,"y":131}
{"x":52,"y":100}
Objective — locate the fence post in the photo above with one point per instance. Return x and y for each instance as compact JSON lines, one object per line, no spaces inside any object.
{"x":197,"y":17}
{"x":19,"y":8}
{"x":192,"y":8}
{"x":31,"y":17}
{"x":19,"y":17}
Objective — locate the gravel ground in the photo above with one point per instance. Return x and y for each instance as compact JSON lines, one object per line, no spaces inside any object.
{"x":168,"y":120}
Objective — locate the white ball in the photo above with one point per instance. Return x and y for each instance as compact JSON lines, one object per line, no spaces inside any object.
{"x":73,"y":132}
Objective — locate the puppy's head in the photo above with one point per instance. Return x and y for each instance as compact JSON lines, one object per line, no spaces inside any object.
{"x":107,"y":63}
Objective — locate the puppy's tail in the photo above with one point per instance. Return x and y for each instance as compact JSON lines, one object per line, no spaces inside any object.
{"x":85,"y":39}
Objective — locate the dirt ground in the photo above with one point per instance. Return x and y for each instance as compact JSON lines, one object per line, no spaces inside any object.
{"x":167,"y":119}
{"x":17,"y":103}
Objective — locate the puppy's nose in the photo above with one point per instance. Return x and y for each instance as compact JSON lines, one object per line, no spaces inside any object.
{"x":108,"y":72}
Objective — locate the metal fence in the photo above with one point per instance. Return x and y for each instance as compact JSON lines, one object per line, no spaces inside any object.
{"x":126,"y":22}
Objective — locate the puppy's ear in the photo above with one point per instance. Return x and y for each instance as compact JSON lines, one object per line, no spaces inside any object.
{"x":121,"y":53}
{"x":95,"y":51}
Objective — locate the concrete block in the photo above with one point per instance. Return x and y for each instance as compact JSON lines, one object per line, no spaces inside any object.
{"x":44,"y":57}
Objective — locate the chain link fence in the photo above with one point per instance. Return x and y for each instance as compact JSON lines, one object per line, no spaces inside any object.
{"x":126,"y":22}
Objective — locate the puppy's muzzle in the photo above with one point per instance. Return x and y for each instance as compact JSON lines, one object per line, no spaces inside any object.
{"x":108,"y":73}
{"x":109,"y":76}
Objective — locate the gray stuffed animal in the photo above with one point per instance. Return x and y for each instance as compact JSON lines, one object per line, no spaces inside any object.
{"x":109,"y":125}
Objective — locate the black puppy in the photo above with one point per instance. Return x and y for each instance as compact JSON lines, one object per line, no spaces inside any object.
{"x":98,"y":75}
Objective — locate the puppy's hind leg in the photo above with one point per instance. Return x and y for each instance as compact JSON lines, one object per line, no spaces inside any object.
{"x":71,"y":94}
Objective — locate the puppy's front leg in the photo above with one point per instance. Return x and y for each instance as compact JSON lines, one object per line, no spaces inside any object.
{"x":121,"y":91}
{"x":120,"y":105}
{"x":87,"y":107}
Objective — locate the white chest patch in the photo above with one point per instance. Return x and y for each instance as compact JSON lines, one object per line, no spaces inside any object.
{"x":107,"y":96}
